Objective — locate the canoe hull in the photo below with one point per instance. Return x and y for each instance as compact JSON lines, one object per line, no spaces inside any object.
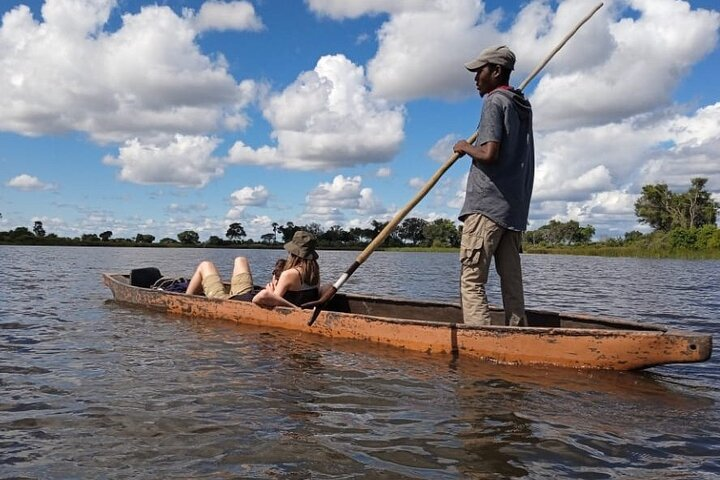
{"x":598,"y":343}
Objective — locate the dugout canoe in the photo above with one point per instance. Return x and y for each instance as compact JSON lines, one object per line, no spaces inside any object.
{"x":551,"y":339}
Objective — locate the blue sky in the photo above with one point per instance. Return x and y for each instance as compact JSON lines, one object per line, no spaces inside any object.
{"x":158,"y":117}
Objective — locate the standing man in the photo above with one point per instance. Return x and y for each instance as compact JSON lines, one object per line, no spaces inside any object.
{"x":499,"y":186}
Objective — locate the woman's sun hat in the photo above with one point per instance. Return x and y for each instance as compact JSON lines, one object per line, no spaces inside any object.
{"x":303,"y":245}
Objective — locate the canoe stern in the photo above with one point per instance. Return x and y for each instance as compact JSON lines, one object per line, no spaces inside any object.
{"x":576,"y":348}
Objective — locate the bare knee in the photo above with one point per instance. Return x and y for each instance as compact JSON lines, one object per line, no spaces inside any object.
{"x":206,"y":268}
{"x":241,"y":265}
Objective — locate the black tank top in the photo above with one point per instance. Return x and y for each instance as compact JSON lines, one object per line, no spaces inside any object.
{"x":298,"y":297}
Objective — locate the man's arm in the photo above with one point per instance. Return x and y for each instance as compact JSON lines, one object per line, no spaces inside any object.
{"x":488,"y":152}
{"x":490,"y":132}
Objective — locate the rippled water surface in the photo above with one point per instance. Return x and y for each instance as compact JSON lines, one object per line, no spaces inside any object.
{"x":94,"y":389}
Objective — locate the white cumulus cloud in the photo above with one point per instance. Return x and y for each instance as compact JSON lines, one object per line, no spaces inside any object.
{"x":28,"y":183}
{"x":215,"y":15}
{"x":423,"y":45}
{"x":611,"y":212}
{"x":443,"y":148}
{"x":327,"y":119}
{"x":694,"y":152}
{"x":235,"y":213}
{"x":340,"y":9}
{"x":64,"y":72}
{"x":416,"y":182}
{"x":655,"y":51}
{"x":328,"y":200}
{"x":185,"y":161}
{"x":671,"y":148}
{"x":250,"y":196}
{"x":383,"y":172}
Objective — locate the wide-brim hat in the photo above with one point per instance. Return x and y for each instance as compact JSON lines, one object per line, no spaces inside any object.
{"x":303,"y":245}
{"x":497,"y":55}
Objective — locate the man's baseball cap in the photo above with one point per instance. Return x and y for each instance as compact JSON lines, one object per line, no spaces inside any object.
{"x":497,"y":55}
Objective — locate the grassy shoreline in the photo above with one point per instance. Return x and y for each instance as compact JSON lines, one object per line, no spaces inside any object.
{"x":628,"y":251}
{"x":632,"y":251}
{"x":592,"y":251}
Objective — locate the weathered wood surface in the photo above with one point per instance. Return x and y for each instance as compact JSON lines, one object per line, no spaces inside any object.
{"x":552,"y":339}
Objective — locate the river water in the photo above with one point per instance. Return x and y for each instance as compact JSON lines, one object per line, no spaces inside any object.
{"x":94,"y":389}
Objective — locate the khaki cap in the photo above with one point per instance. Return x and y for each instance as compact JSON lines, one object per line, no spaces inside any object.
{"x":303,"y":245}
{"x":497,"y":55}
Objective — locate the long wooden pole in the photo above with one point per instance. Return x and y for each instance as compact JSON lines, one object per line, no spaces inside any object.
{"x":400,"y":215}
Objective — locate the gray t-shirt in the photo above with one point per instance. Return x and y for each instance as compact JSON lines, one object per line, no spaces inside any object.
{"x":501,"y":190}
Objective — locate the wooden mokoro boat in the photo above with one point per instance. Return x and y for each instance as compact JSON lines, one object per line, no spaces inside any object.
{"x":552,"y":338}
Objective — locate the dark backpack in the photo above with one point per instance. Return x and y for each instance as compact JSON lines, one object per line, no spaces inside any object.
{"x":144,"y":277}
{"x":171,"y":284}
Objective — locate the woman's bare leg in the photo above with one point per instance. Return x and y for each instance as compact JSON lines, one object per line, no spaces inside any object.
{"x":241,"y":265}
{"x":203,"y":270}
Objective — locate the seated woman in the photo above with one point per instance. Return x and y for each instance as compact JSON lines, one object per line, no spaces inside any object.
{"x":297,"y":284}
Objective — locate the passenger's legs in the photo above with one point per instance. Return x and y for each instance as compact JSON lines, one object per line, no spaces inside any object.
{"x":241,"y":281}
{"x":202,"y":271}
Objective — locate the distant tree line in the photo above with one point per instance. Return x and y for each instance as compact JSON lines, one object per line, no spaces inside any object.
{"x":560,"y":233}
{"x":685,"y":221}
{"x":680,"y":221}
{"x":411,"y":232}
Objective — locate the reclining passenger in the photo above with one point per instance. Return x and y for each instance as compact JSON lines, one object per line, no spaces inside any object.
{"x":295,"y":285}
